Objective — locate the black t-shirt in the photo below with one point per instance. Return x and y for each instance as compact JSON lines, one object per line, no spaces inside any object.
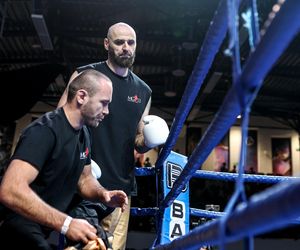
{"x":114,"y":138}
{"x":58,"y":152}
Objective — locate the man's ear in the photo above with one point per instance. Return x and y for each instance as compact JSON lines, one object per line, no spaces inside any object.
{"x":106,"y":43}
{"x":81,"y":96}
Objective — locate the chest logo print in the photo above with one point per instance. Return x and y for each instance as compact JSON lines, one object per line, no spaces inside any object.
{"x":84,"y":155}
{"x":134,"y":99}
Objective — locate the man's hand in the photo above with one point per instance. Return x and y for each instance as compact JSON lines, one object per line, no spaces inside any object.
{"x":81,"y":230}
{"x":115,"y":198}
{"x":96,"y":244}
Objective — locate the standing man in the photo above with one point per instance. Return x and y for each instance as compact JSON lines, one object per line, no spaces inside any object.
{"x":50,"y":164}
{"x":117,"y":137}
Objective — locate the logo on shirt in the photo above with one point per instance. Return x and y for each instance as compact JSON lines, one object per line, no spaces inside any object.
{"x":84,"y":155}
{"x":134,"y":99}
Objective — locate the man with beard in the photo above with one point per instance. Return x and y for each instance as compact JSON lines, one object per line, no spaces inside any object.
{"x":50,"y":164}
{"x":117,"y":137}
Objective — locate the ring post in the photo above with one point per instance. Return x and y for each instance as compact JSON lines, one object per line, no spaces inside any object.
{"x":176,"y":217}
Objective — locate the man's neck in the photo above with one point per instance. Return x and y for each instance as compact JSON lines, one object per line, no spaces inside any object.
{"x":73,"y":116}
{"x":117,"y":69}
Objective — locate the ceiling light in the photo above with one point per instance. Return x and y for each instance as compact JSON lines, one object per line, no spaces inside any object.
{"x":42,"y":31}
{"x":189,"y":45}
{"x":178,"y":72}
{"x":36,"y":46}
{"x":170,"y":93}
{"x":170,"y":88}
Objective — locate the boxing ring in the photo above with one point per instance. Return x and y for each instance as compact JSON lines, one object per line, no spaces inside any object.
{"x":239,"y":220}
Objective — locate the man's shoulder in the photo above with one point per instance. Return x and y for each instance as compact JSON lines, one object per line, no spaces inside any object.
{"x":42,"y":126}
{"x":97,"y":66}
{"x":52,"y":120}
{"x":140,"y":81}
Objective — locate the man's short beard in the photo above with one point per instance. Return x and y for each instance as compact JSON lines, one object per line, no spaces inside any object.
{"x":87,"y":118}
{"x":121,"y":62}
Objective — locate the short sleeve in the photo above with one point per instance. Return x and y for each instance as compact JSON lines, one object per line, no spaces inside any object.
{"x":35,"y":146}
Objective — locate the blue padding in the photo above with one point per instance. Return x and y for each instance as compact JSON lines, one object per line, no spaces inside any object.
{"x":280,"y":33}
{"x":175,"y":219}
{"x":212,"y":42}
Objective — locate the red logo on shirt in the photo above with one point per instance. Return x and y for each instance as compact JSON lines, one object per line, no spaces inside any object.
{"x":134,"y":99}
{"x":84,"y":155}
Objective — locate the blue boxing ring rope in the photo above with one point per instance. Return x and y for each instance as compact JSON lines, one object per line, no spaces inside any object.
{"x":241,"y":222}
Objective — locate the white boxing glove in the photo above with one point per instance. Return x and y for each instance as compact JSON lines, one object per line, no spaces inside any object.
{"x":96,"y":170}
{"x":156,"y":131}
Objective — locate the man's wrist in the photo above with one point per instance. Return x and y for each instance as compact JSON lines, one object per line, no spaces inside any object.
{"x":65,"y":227}
{"x":102,"y":194}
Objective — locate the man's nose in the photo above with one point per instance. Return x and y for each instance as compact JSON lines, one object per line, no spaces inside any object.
{"x":106,"y":110}
{"x":126,"y":45}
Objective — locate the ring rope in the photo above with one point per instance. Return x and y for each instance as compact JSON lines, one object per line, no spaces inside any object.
{"x":211,"y":45}
{"x":275,"y":40}
{"x":208,"y":174}
{"x":280,"y":33}
{"x":245,"y":221}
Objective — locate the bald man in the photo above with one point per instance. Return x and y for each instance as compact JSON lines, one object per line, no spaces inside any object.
{"x":50,"y":164}
{"x":117,"y":137}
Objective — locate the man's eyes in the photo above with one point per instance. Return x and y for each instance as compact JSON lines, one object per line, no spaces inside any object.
{"x":122,"y":41}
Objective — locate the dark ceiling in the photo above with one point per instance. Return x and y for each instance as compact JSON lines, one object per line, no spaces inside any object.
{"x":170,"y":34}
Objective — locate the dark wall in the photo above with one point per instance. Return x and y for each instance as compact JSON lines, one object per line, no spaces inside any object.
{"x":21,"y":89}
